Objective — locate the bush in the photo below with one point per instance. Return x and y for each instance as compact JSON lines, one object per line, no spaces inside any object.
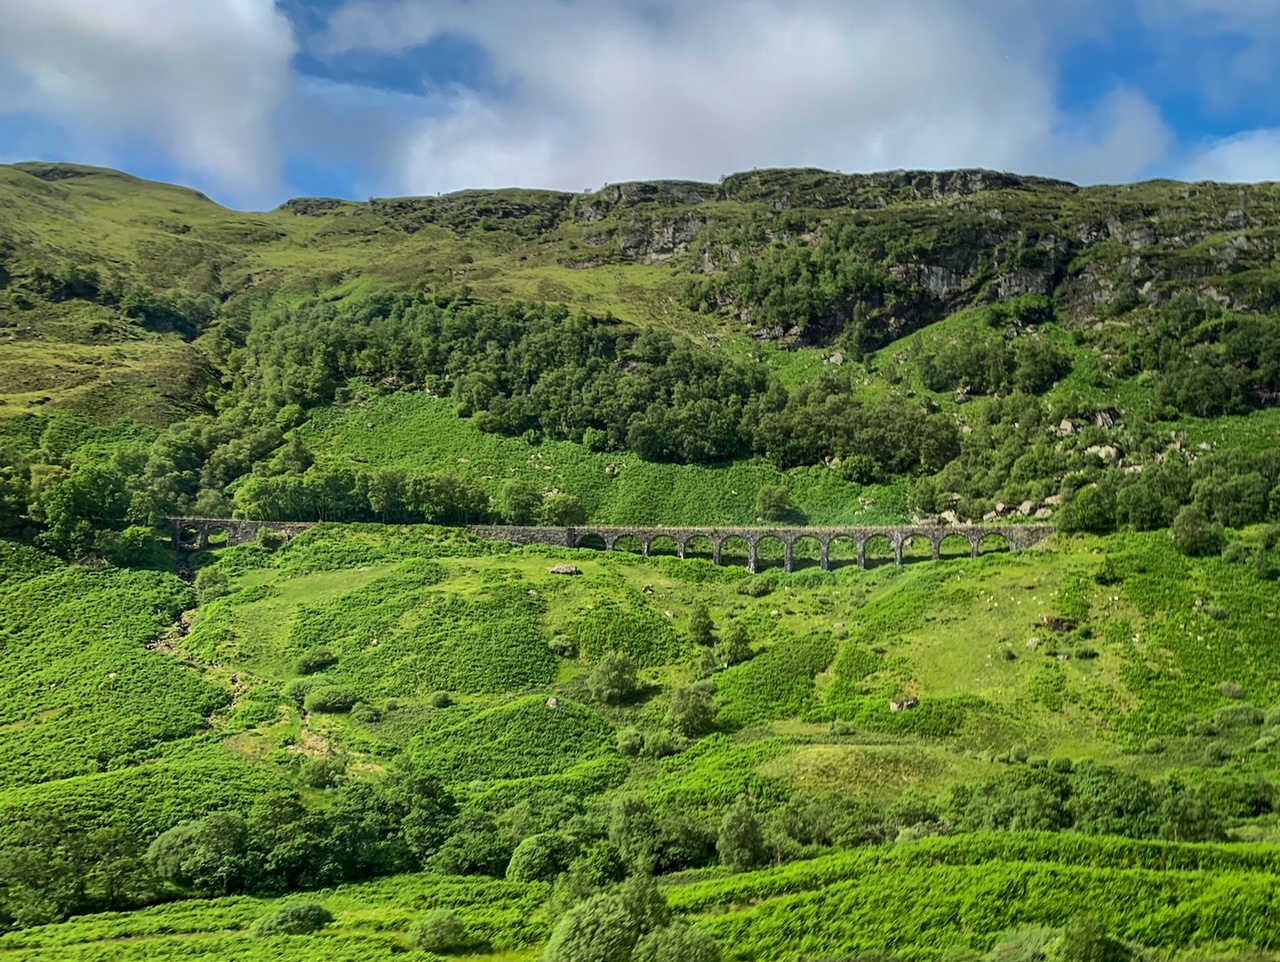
{"x":296,"y":918}
{"x":678,"y":942}
{"x":691,"y":712}
{"x":315,"y":660}
{"x":1229,"y":689}
{"x":630,"y":742}
{"x":323,"y":772}
{"x":297,"y":691}
{"x":440,"y":931}
{"x":441,"y":699}
{"x":701,"y":625}
{"x":330,"y":700}
{"x":211,"y":584}
{"x":663,"y":742}
{"x":613,"y":680}
{"x":735,"y":647}
{"x":740,"y":841}
{"x":1195,"y":535}
{"x":540,"y":858}
{"x":773,"y":502}
{"x":366,"y":714}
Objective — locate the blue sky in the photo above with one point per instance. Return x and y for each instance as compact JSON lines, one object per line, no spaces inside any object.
{"x":255,"y":101}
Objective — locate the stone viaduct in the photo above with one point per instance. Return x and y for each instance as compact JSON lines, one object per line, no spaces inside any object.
{"x":1016,"y":535}
{"x":195,"y":533}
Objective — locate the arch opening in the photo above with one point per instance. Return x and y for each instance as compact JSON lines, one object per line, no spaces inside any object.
{"x":771,"y":552}
{"x":844,"y":551}
{"x":993,"y":542}
{"x":699,"y":546}
{"x":955,"y":546}
{"x":591,"y":542}
{"x":734,"y":550}
{"x":628,"y":543}
{"x":806,"y":552}
{"x":917,"y":547}
{"x":664,"y":545}
{"x":879,"y":551}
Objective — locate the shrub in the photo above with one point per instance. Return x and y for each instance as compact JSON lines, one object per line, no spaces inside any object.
{"x":295,"y":918}
{"x":563,"y":510}
{"x":1229,"y":689}
{"x":540,"y":858}
{"x":563,"y":647}
{"x":297,"y":691}
{"x":701,"y":626}
{"x":440,"y":931}
{"x":211,"y":583}
{"x":271,"y":540}
{"x":630,"y":742}
{"x":755,"y":586}
{"x":773,"y":502}
{"x":367,"y":714}
{"x":441,"y":699}
{"x":678,"y":942}
{"x":1195,"y":535}
{"x":740,"y":842}
{"x":330,"y":700}
{"x":1241,"y":716}
{"x":317,"y":659}
{"x":323,"y":772}
{"x":613,"y":680}
{"x":735,"y":648}
{"x":691,"y":712}
{"x":663,"y":742}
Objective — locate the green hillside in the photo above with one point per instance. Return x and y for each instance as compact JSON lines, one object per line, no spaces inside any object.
{"x":385,"y":735}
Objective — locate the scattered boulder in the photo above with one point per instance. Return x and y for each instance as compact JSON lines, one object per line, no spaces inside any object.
{"x":1026,"y":508}
{"x":904,"y":703}
{"x":564,"y":569}
{"x":647,"y":589}
{"x":1044,"y":514}
{"x":1067,"y":430}
{"x":553,"y":702}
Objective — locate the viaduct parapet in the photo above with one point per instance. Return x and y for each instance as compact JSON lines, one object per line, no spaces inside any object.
{"x":1016,"y":535}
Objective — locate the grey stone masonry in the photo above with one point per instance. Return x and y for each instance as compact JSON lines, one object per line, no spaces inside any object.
{"x":194,"y":533}
{"x":1016,"y":535}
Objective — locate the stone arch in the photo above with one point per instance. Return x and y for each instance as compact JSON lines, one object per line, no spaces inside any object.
{"x":188,"y":536}
{"x":843,"y":549}
{"x":807,"y":550}
{"x":592,"y":542}
{"x":734,"y":549}
{"x":699,"y":546}
{"x":917,"y":546}
{"x":217,"y":536}
{"x":771,"y":551}
{"x":989,"y":541}
{"x":877,"y":549}
{"x":955,"y":545}
{"x":628,"y":542}
{"x":663,"y":544}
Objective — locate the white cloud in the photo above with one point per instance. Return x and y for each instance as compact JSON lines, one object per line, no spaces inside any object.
{"x":606,"y":90}
{"x":1245,"y":158}
{"x":201,"y":79}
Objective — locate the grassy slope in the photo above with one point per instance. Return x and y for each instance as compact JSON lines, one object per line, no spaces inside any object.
{"x":404,"y":607}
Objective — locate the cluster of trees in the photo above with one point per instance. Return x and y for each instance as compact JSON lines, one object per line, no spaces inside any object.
{"x":1203,"y":360}
{"x":989,"y":363}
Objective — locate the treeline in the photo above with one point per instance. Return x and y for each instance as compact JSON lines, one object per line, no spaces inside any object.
{"x":409,"y":822}
{"x":538,"y":372}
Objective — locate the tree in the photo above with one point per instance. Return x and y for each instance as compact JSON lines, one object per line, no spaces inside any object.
{"x":691,"y":712}
{"x":773,"y":502}
{"x":600,"y":929}
{"x":520,"y":503}
{"x":740,"y":843}
{"x":208,"y":855}
{"x":633,"y":830}
{"x":735,"y":646}
{"x":1195,"y":535}
{"x":614,"y":679}
{"x":562,"y":510}
{"x":440,"y":931}
{"x":700,"y":624}
{"x":542,"y":857}
{"x":678,"y":942}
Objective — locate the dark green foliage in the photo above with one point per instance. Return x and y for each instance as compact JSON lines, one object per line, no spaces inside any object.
{"x":330,"y":699}
{"x":323,"y":772}
{"x":540,"y":858}
{"x":613,"y":679}
{"x":317,"y":659}
{"x":607,"y":926}
{"x":639,"y":632}
{"x":293,"y":918}
{"x":440,"y":931}
{"x":691,"y":712}
{"x":735,"y":645}
{"x":773,"y":502}
{"x":678,"y":942}
{"x":740,"y":842}
{"x":1195,"y":535}
{"x":701,"y":627}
